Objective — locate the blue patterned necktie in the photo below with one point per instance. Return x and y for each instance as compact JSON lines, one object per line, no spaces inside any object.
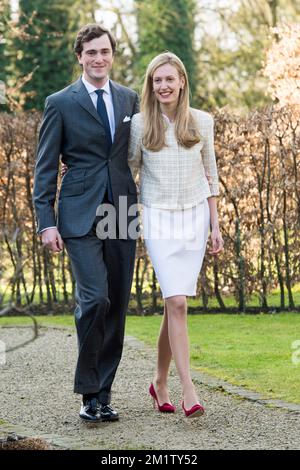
{"x":101,"y":109}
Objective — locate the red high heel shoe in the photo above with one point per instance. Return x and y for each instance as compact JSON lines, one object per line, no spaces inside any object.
{"x":194,"y":412}
{"x":166,"y":407}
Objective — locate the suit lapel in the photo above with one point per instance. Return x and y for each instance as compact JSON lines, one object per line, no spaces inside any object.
{"x":80,"y":94}
{"x":118,"y":102}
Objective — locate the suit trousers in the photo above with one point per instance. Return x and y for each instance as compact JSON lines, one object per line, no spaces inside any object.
{"x":103,"y":270}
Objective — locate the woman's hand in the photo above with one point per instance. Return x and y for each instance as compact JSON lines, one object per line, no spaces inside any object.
{"x":217,"y":242}
{"x":64,"y":169}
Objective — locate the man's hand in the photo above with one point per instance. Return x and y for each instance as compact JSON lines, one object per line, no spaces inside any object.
{"x":209,"y":179}
{"x":52,"y":240}
{"x":64,"y":169}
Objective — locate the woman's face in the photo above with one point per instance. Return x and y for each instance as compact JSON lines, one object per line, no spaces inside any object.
{"x":167,"y":84}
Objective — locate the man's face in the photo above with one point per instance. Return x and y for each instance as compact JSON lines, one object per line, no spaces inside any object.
{"x":96,"y":59}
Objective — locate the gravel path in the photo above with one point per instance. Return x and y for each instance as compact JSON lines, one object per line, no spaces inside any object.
{"x":36,"y":393}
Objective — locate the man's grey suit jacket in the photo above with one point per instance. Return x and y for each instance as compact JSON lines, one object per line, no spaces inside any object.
{"x":71,"y":128}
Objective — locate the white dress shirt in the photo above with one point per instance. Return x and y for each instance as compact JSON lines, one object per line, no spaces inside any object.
{"x":107,"y":97}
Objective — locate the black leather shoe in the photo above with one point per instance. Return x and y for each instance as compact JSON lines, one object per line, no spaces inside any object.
{"x":90,"y":411}
{"x":108,"y":413}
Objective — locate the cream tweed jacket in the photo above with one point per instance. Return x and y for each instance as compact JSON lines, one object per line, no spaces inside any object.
{"x":174,"y":177}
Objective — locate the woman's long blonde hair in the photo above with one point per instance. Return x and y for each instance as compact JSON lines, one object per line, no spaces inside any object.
{"x":186,"y":130}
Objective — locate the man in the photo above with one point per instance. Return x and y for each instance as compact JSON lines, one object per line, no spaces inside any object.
{"x":88,"y":125}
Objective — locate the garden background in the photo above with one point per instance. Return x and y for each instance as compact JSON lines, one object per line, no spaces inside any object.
{"x":243,"y":60}
{"x":243,"y":63}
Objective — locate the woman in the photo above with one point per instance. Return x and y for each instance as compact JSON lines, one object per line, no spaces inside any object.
{"x":172,"y":145}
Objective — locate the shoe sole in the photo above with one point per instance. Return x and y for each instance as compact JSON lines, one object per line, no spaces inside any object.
{"x":88,"y":421}
{"x":107,"y":420}
{"x":196,"y":414}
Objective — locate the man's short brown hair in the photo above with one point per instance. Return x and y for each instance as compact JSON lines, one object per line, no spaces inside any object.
{"x":91,"y":31}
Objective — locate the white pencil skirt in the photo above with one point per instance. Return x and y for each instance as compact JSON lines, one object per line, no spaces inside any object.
{"x":176,"y":243}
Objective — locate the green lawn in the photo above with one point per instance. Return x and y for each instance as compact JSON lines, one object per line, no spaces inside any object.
{"x":273,"y":298}
{"x":252,"y":351}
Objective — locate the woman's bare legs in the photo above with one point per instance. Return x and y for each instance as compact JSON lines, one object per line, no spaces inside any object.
{"x":164,"y":356}
{"x":179,"y":345}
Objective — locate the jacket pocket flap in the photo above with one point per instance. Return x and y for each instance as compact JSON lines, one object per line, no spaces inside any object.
{"x":77,"y":173}
{"x":72,"y":188}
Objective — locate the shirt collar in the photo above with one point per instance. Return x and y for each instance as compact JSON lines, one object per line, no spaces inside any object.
{"x":91,"y":88}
